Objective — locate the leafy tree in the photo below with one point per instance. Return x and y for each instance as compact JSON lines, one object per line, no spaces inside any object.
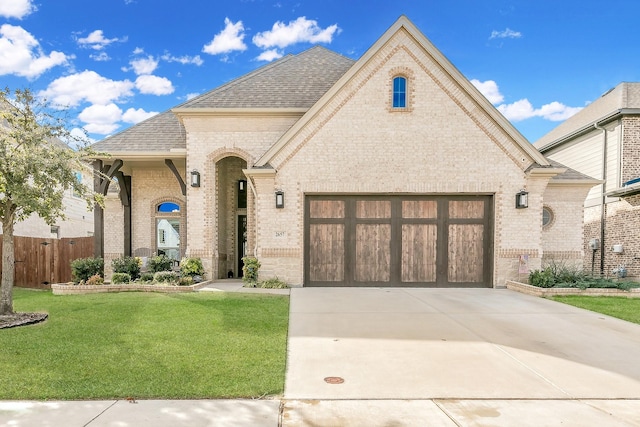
{"x":36,"y":169}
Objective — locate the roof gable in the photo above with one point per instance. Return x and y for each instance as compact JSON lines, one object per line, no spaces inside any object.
{"x":499,"y":130}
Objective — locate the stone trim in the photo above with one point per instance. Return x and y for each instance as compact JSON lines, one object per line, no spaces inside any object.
{"x":515,"y":253}
{"x":64,"y":289}
{"x":549,"y":292}
{"x":280,"y":253}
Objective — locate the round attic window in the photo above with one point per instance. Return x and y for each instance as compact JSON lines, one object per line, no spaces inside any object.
{"x":547,"y":216}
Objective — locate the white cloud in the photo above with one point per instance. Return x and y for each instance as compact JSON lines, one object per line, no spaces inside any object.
{"x":269,"y":55}
{"x":489,"y":89}
{"x":21,"y":54}
{"x":100,"y":57}
{"x":521,"y":110}
{"x":506,"y":34}
{"x":300,"y":30}
{"x":144,"y":65}
{"x":96,"y":40}
{"x":135,"y":116}
{"x":227,"y":40}
{"x":185,"y":60}
{"x":86,"y":86}
{"x":101,"y":119}
{"x":154,"y":85}
{"x":192,"y":95}
{"x":16,"y":8}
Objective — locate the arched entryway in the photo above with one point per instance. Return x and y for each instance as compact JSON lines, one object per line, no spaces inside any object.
{"x":231,"y":196}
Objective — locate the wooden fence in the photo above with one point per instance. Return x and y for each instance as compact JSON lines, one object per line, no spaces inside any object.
{"x":41,"y":262}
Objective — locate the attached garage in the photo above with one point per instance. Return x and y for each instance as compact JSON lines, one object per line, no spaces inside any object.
{"x":393,"y":240}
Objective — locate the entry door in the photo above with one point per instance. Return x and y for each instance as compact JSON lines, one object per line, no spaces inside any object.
{"x":242,"y":242}
{"x":437,"y":241}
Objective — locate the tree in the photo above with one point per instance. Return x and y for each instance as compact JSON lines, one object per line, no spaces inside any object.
{"x":36,"y":168}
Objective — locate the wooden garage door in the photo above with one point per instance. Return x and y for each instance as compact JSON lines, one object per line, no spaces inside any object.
{"x":437,"y":241}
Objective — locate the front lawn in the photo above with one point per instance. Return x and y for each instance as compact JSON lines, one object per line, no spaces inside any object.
{"x":620,"y":307}
{"x":145,"y":345}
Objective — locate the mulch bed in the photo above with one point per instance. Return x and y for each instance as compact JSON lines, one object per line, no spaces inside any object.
{"x":21,"y":319}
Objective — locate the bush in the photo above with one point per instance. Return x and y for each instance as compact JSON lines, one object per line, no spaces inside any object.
{"x":274,"y":283}
{"x":185,"y":281}
{"x":542,"y":278}
{"x":83,"y":268}
{"x":159,"y":263}
{"x":558,"y":275}
{"x":118,"y":278}
{"x":146,"y":277}
{"x":166,"y":277}
{"x":127,"y":264}
{"x":250,"y":271}
{"x":191,"y":267}
{"x":96,"y":279}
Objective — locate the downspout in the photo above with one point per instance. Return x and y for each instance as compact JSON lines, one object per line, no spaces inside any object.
{"x":603,"y":198}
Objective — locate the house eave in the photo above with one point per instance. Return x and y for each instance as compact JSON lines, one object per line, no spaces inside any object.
{"x":628,"y":190}
{"x":175,"y":153}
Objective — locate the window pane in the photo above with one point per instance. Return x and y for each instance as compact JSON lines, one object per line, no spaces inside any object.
{"x":168,"y":207}
{"x":399,"y":92}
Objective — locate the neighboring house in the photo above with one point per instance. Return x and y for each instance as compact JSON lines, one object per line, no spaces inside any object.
{"x":603,"y":141}
{"x":79,"y":221}
{"x":392,"y":170}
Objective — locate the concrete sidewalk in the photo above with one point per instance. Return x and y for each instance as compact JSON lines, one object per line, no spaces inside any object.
{"x":413,"y":357}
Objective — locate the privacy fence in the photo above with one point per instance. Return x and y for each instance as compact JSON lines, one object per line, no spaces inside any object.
{"x":41,"y":262}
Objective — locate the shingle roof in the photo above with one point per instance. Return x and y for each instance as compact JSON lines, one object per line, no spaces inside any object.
{"x":161,"y":132}
{"x":295,"y":81}
{"x":570,"y":174}
{"x":625,"y":95}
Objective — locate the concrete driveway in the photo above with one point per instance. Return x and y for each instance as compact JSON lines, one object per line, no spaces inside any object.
{"x":471,"y":352}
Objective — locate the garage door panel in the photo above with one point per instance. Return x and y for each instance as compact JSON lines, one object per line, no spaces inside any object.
{"x":419,"y":245}
{"x":326,"y":252}
{"x":373,"y":253}
{"x":466,"y":253}
{"x":398,"y":240}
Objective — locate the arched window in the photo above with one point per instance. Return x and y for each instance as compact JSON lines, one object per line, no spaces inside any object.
{"x":399,"y":92}
{"x":168,"y":220}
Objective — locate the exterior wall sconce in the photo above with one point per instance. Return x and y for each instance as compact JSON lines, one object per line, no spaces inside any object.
{"x":279,"y":199}
{"x":241,"y":185}
{"x":522,"y":200}
{"x":195,"y":178}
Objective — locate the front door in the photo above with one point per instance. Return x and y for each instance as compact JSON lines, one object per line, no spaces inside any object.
{"x":242,"y":242}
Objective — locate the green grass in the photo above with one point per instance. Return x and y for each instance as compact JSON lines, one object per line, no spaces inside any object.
{"x":145,"y":345}
{"x":620,"y":307}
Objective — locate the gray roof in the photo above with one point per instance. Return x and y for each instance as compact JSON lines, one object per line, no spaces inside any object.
{"x":295,"y":81}
{"x":623,"y":96}
{"x":161,"y":132}
{"x":569,"y":174}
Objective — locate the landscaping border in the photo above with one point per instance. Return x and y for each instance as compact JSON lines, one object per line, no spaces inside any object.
{"x":551,"y":292}
{"x":66,"y":289}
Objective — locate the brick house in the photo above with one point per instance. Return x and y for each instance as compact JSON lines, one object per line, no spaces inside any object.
{"x":603,"y":141}
{"x":391,"y":170}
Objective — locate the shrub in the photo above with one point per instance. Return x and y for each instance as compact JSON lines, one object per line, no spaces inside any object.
{"x":83,"y":268}
{"x":96,"y":279}
{"x":166,"y":277}
{"x":185,"y":281}
{"x":191,"y":267}
{"x":274,"y":283}
{"x":542,"y":278}
{"x":250,"y":271}
{"x":118,"y":278}
{"x":159,"y":263}
{"x":127,"y":264}
{"x":146,"y":277}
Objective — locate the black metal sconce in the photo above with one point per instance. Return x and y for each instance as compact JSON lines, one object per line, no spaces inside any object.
{"x":195,"y":178}
{"x":522,"y":199}
{"x":279,"y":199}
{"x":242,"y":185}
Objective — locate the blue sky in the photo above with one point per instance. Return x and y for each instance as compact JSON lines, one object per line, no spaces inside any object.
{"x":116,"y":62}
